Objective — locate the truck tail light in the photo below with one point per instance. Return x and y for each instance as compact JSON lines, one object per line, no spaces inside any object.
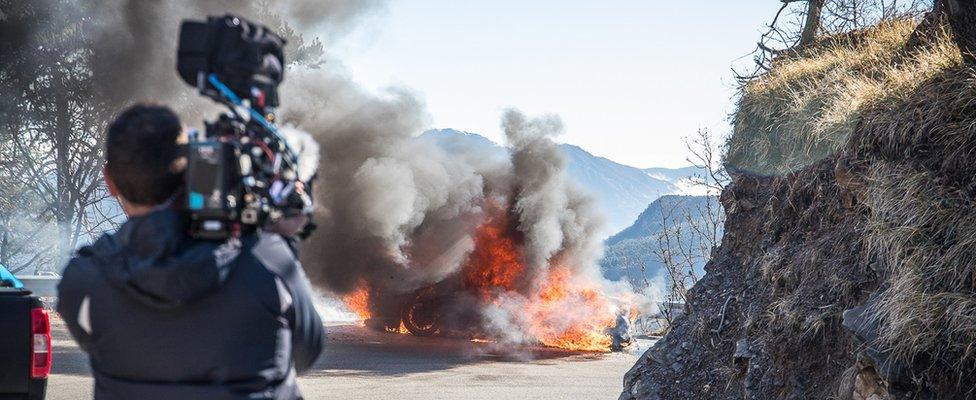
{"x":41,"y":346}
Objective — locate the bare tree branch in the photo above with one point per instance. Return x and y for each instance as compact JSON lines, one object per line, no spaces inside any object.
{"x":793,"y":27}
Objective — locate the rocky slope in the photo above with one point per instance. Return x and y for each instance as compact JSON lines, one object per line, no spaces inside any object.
{"x":848,"y":265}
{"x":778,"y":284}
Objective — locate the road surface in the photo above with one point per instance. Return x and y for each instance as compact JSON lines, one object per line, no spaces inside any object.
{"x":362,"y":364}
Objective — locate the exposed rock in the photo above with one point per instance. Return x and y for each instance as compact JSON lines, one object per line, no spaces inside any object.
{"x":868,"y":385}
{"x":743,"y":351}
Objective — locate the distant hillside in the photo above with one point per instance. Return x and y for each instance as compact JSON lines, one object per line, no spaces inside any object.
{"x":454,"y":141}
{"x":666,"y":208}
{"x":633,"y":249}
{"x":621,"y":191}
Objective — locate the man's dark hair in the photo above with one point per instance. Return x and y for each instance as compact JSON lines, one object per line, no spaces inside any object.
{"x":142,"y":154}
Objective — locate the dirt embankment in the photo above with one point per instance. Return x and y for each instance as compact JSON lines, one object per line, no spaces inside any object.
{"x":848,"y":267}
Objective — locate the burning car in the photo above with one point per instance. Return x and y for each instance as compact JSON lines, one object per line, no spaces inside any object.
{"x":434,"y":310}
{"x":497,"y":296}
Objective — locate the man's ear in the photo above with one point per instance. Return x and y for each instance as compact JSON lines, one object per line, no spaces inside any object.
{"x":112,"y":189}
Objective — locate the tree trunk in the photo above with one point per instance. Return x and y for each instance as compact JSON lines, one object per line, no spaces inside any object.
{"x":63,"y":206}
{"x":961,"y":15}
{"x":812,"y":25}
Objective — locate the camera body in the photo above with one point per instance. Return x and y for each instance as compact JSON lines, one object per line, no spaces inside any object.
{"x":241,"y":174}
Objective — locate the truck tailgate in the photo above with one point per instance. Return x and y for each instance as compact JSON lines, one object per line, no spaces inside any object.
{"x":15,"y":341}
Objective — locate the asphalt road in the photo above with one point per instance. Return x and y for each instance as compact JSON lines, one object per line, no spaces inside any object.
{"x":362,"y":364}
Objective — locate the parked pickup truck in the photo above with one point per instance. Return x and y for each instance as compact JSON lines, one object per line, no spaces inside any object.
{"x":25,"y":342}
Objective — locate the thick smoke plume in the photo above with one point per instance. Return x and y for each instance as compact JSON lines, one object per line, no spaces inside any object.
{"x":555,"y":217}
{"x":401,"y":213}
{"x":393,"y":210}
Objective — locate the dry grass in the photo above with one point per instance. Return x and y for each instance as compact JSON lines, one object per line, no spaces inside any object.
{"x":923,"y":231}
{"x":808,"y":105}
{"x":919,"y":179}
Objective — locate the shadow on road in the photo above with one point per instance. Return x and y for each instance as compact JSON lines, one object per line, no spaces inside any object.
{"x":67,"y":358}
{"x":358,"y":351}
{"x":70,"y":361}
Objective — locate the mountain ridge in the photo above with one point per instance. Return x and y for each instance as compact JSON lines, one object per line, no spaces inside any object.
{"x":632,"y":253}
{"x":621,"y":191}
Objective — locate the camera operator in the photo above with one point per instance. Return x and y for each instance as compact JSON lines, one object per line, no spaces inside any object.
{"x":165,"y":316}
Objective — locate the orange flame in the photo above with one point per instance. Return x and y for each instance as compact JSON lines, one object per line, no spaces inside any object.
{"x":495,"y":262}
{"x":571,"y":315}
{"x":401,"y":330}
{"x":564,"y":312}
{"x":358,"y":302}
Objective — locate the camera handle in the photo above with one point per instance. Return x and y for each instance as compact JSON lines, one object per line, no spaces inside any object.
{"x":232,"y":101}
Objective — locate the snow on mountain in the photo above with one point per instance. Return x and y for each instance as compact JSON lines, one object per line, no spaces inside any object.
{"x":681,"y":178}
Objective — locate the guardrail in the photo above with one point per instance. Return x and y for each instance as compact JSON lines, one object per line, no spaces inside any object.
{"x":41,"y":286}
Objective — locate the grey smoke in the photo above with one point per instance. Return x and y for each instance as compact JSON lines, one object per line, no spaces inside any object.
{"x":392,"y":211}
{"x":331,"y":17}
{"x":557,"y":220}
{"x":306,"y":148}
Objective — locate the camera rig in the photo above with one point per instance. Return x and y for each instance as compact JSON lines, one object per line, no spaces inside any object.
{"x":241,"y":173}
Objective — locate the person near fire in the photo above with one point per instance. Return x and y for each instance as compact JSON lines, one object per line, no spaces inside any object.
{"x":620,"y":333}
{"x":165,"y":316}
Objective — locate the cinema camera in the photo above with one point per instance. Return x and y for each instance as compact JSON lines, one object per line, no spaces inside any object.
{"x":241,"y":174}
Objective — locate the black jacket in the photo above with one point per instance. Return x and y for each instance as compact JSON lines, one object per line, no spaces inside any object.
{"x":163,"y":316}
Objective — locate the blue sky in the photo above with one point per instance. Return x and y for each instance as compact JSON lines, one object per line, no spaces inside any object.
{"x":631,"y":79}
